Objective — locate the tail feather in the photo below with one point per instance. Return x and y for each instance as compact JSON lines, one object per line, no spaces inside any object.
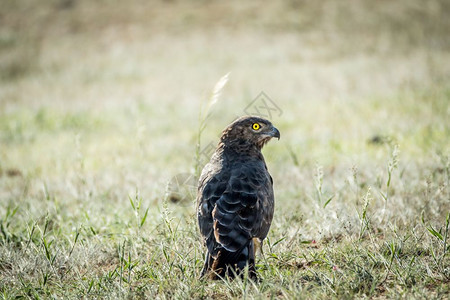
{"x":230,"y":264}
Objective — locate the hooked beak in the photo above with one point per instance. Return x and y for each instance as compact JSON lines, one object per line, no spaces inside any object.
{"x":275,"y":133}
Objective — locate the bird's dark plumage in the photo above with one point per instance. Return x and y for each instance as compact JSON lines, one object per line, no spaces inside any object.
{"x":235,"y":201}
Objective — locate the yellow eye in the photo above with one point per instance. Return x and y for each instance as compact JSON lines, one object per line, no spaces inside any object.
{"x":256,"y":126}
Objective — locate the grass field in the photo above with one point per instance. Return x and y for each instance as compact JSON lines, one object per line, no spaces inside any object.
{"x":100,"y":109}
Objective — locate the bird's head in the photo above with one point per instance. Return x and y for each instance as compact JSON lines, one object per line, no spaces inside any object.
{"x":249,"y":130}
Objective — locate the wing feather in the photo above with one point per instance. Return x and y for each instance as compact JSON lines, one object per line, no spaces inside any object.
{"x":240,"y":213}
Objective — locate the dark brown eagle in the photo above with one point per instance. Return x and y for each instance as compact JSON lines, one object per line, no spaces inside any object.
{"x":235,"y":200}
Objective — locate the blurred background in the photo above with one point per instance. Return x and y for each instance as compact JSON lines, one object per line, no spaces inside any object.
{"x":102,"y":131}
{"x":99,"y":99}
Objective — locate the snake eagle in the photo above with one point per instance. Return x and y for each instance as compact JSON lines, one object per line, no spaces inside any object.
{"x":235,"y":200}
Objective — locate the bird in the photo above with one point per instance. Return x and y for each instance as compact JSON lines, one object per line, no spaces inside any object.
{"x":235,"y":199}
